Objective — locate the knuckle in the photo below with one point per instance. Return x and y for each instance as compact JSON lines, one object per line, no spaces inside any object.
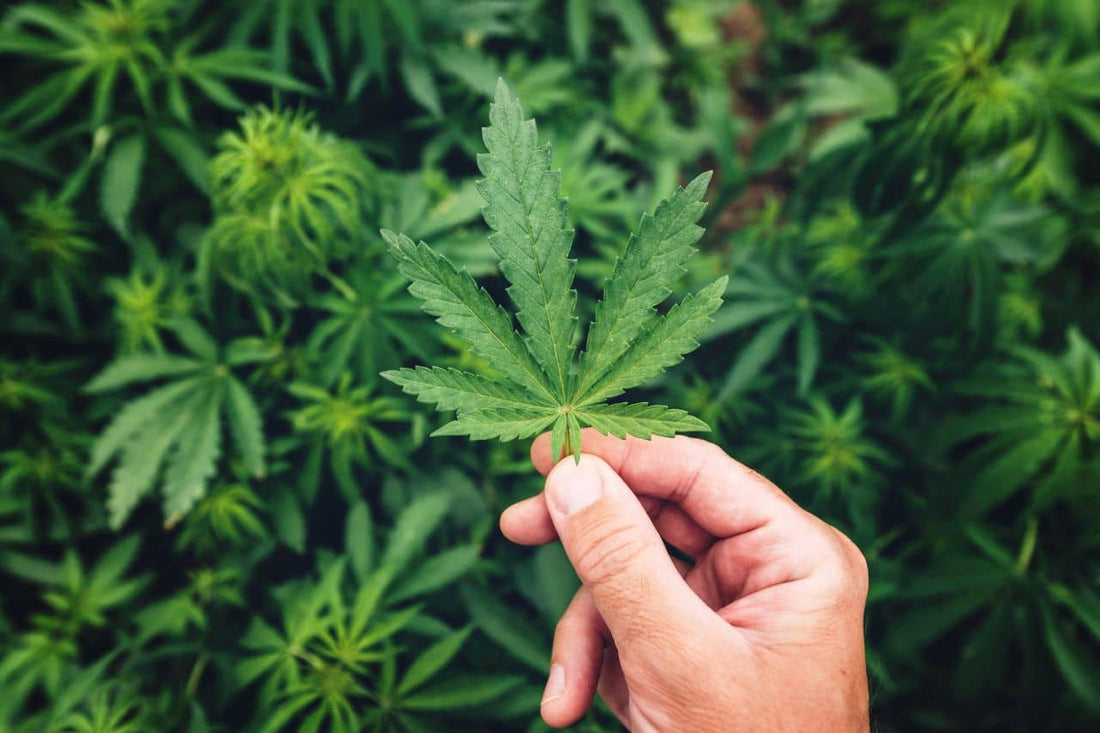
{"x":564,"y":626}
{"x":857,"y":561}
{"x":646,"y":641}
{"x":609,"y":549}
{"x":846,"y":569}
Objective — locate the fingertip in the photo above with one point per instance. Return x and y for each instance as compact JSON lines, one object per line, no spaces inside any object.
{"x":572,"y":485}
{"x":540,"y":454}
{"x":561,"y":712}
{"x":507,"y":523}
{"x":576,"y":661}
{"x":528,"y":522}
{"x":558,"y":708}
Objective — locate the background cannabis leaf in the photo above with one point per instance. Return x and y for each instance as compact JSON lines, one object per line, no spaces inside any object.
{"x":628,"y":343}
{"x":176,"y":426}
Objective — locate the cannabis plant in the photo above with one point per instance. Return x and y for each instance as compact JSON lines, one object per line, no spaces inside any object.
{"x":287,"y":200}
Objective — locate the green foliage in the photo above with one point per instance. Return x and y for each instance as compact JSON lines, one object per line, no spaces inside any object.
{"x":175,"y":426}
{"x":347,"y":422}
{"x":332,"y":652}
{"x":1046,"y":414}
{"x":286,"y":198}
{"x":781,"y":301}
{"x":197,"y":305}
{"x":105,"y":41}
{"x":628,"y":343}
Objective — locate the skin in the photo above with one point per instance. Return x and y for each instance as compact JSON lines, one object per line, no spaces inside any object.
{"x":763,"y":631}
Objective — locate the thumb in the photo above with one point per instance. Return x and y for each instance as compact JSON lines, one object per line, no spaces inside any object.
{"x":618,"y":554}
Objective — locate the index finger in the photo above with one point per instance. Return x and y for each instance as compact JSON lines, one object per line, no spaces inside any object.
{"x":724,"y":497}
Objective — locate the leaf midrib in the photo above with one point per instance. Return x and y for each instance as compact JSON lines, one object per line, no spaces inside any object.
{"x":559,"y":366}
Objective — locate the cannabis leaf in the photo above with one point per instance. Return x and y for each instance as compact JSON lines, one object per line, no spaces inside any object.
{"x":782,"y":301}
{"x":546,"y":386}
{"x":1040,"y":432}
{"x":176,"y":425}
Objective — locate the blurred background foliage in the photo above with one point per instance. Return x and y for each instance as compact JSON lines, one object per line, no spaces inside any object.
{"x":196,"y":305}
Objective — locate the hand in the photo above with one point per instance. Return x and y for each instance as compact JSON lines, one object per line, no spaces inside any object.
{"x":762,"y":632}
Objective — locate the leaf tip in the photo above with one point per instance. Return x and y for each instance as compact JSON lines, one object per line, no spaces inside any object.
{"x":701,"y":182}
{"x":503,"y":93}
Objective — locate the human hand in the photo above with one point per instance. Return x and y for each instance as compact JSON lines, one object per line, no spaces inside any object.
{"x":764,"y":631}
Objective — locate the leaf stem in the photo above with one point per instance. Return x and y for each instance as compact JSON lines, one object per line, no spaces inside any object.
{"x":196,"y":674}
{"x":340,"y":284}
{"x":1027,"y":546}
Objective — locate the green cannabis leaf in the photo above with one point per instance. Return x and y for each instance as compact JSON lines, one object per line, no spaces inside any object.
{"x":175,"y":428}
{"x":545,"y":385}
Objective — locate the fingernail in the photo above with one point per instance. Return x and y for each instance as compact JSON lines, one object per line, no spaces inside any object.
{"x":572,"y":487}
{"x":555,"y":684}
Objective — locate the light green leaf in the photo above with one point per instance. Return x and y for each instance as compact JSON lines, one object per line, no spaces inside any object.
{"x":436,"y":572}
{"x":516,"y":634}
{"x":245,"y":65}
{"x":809,"y":353}
{"x":578,"y":20}
{"x":216,"y":91}
{"x":288,"y":520}
{"x":138,"y":415}
{"x":573,"y":434}
{"x":246,"y":425}
{"x":80,"y":686}
{"x":139,"y":368}
{"x":420,"y":84}
{"x":755,"y":356}
{"x":141,"y":460}
{"x":114,"y":563}
{"x":463,"y":692}
{"x":740,"y":314}
{"x":557,"y":436}
{"x":418,"y":520}
{"x":188,"y":154}
{"x":474,"y":68}
{"x":1001,"y":478}
{"x":854,"y":88}
{"x":120,"y":182}
{"x":195,"y":338}
{"x":636,"y":26}
{"x":194,"y":461}
{"x":434,"y":659}
{"x":388,"y":625}
{"x":359,"y":540}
